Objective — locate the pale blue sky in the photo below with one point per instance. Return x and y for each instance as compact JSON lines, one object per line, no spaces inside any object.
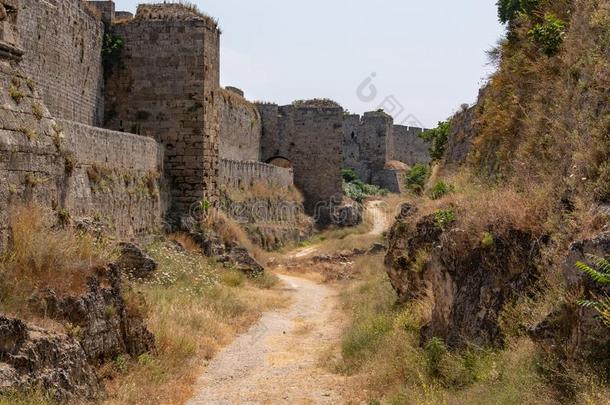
{"x":429,"y":55}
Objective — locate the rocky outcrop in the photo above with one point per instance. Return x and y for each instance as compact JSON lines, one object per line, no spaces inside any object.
{"x":467,"y":285}
{"x":571,"y":331}
{"x":31,"y":358}
{"x":239,"y":258}
{"x":100,"y":319}
{"x":349,"y":213}
{"x":135,"y":262}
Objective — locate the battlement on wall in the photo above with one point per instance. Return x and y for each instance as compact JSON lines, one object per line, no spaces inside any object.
{"x":173,"y":12}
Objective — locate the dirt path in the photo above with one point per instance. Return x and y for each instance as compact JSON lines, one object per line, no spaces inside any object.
{"x":276,"y":361}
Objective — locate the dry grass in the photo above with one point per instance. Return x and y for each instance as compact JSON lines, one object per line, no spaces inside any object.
{"x":185,"y":241}
{"x":195,"y":309}
{"x":231,"y":232}
{"x":42,"y":255}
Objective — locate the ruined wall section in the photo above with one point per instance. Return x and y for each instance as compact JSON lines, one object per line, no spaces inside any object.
{"x":62,"y":41}
{"x":242,"y":174}
{"x":240,"y":127}
{"x":77,"y":170}
{"x":405,"y":145}
{"x":310,"y":136}
{"x":166,"y":87}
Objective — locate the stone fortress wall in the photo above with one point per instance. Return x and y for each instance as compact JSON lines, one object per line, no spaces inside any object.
{"x":242,"y":174}
{"x":372,"y":141}
{"x":63,"y":42}
{"x":405,"y":145}
{"x":77,"y":170}
{"x":174,"y":135}
{"x":240,"y":126}
{"x":309,"y":135}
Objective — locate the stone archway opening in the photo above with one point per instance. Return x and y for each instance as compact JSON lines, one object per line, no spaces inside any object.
{"x":280,"y":161}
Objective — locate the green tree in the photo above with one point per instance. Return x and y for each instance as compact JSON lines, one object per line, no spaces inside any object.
{"x":438,"y":138}
{"x":415,"y":180}
{"x":509,"y":9}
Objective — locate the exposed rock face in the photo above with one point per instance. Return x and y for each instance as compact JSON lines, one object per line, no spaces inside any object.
{"x":31,"y":357}
{"x":467,"y":285}
{"x":347,"y":214}
{"x":572,"y":331}
{"x":103,"y":323}
{"x":135,"y":262}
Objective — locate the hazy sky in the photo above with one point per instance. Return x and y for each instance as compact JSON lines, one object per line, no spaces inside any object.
{"x":426,"y":56}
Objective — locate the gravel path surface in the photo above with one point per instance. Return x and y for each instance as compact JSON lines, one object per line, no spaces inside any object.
{"x":278,"y":360}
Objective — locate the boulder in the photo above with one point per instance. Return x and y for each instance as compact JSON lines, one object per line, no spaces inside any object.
{"x":135,"y":262}
{"x":241,"y":260}
{"x":32,"y":357}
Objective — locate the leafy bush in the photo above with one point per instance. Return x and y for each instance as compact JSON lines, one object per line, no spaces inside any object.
{"x":349,"y":175}
{"x":440,"y":189}
{"x":549,"y":34}
{"x":356,"y":189}
{"x":112,"y":47}
{"x":415,"y":179}
{"x":444,"y":218}
{"x":600,"y":273}
{"x":438,"y":138}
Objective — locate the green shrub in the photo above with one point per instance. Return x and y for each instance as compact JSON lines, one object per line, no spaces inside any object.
{"x":438,"y":138}
{"x":356,"y":189}
{"x":549,"y":34}
{"x":488,"y":239}
{"x":440,"y":189}
{"x":349,"y":175}
{"x":435,"y":353}
{"x":415,"y":180}
{"x":444,"y":218}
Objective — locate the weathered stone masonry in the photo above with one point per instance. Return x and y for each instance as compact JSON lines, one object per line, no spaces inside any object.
{"x":240,"y":127}
{"x":371,"y":141}
{"x":239,"y":174}
{"x":165,"y":87}
{"x":310,"y":137}
{"x":75,"y":169}
{"x":63,"y":43}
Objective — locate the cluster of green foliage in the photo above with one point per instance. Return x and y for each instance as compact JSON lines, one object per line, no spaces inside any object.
{"x":443,"y":218}
{"x":549,"y":34}
{"x":416,"y":177}
{"x":438,"y":138}
{"x":440,"y":189}
{"x":508,"y":10}
{"x":356,"y":189}
{"x":600,"y":273}
{"x":112,"y":47}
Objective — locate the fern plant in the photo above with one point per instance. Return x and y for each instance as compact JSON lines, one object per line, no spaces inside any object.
{"x":600,"y":273}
